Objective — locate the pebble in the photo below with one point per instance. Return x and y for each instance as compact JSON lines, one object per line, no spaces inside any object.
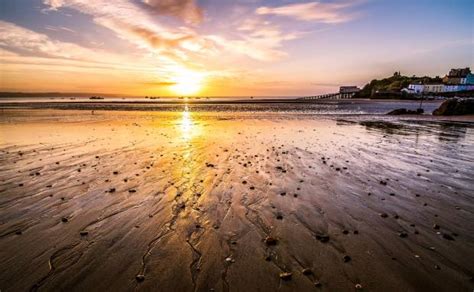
{"x":286,"y":276}
{"x":435,"y":226}
{"x":322,"y":238}
{"x":358,"y":286}
{"x":317,"y":284}
{"x":383,"y":215}
{"x":447,"y":236}
{"x":403,"y":234}
{"x":307,"y":272}
{"x":64,"y":219}
{"x":140,"y":278}
{"x":347,"y":258}
{"x":84,"y":233}
{"x":270,"y":240}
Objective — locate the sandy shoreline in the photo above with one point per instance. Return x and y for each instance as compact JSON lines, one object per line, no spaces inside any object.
{"x":185,"y":201}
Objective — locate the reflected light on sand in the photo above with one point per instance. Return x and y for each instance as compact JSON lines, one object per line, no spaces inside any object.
{"x":188,"y":126}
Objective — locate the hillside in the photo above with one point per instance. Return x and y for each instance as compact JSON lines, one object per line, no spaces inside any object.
{"x":392,"y":85}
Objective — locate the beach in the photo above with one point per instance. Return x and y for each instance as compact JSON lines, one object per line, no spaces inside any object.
{"x":201,"y":198}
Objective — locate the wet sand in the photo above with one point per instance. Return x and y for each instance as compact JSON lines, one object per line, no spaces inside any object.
{"x":186,"y":201}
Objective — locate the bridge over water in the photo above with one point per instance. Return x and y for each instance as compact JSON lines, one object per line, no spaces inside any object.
{"x":337,"y":95}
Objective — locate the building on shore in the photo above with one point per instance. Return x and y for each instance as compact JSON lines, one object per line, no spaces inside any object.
{"x":415,"y":88}
{"x":349,"y":89}
{"x":456,"y":80}
{"x":459,"y":76}
{"x":433,"y":88}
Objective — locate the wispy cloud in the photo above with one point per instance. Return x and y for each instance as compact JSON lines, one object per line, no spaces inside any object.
{"x":259,"y":39}
{"x":186,"y":10}
{"x":59,"y":28}
{"x":25,"y":45}
{"x":134,"y":23}
{"x":312,"y":11}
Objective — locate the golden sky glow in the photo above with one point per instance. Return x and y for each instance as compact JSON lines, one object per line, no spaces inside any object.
{"x":217,"y":48}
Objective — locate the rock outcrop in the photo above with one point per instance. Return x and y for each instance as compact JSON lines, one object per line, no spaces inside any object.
{"x":404,"y":111}
{"x":455,"y":106}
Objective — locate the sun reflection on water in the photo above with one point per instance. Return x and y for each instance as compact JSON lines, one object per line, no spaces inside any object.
{"x":188,"y":126}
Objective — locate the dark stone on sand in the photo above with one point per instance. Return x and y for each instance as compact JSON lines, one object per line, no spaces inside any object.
{"x":447,"y":236}
{"x":270,"y":240}
{"x":404,"y":111}
{"x":140,"y":278}
{"x":384,"y":183}
{"x":317,"y":284}
{"x":322,"y":238}
{"x":346,"y":258}
{"x":112,"y":190}
{"x":18,"y":232}
{"x":286,"y":276}
{"x":279,"y":217}
{"x":115,"y":172}
{"x":252,"y":188}
{"x":244,"y":182}
{"x":282,"y":194}
{"x":403,"y":234}
{"x":383,"y":215}
{"x":455,"y":106}
{"x":437,"y":267}
{"x":345,"y":231}
{"x":435,"y":226}
{"x":307,"y":272}
{"x":84,"y":233}
{"x":64,"y":219}
{"x":132,"y":191}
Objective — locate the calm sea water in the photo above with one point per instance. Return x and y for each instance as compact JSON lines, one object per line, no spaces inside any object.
{"x":325,"y":107}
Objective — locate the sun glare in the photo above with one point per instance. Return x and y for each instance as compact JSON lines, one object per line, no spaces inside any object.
{"x":187,"y":82}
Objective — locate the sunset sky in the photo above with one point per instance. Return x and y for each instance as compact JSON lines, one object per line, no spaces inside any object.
{"x":223,"y":47}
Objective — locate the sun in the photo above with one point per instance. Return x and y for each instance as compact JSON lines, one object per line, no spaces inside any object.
{"x":187,"y":82}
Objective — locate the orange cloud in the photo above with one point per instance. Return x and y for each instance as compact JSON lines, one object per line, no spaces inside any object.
{"x":186,"y":10}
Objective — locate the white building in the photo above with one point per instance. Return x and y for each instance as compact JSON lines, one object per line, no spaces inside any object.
{"x":433,"y":88}
{"x":417,"y":88}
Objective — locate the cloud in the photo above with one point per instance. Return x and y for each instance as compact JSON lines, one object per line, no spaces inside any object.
{"x":312,"y":11}
{"x":135,"y":24}
{"x":187,"y":10}
{"x":260,"y":40}
{"x":160,"y":83}
{"x":182,"y":44}
{"x":27,"y":46}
